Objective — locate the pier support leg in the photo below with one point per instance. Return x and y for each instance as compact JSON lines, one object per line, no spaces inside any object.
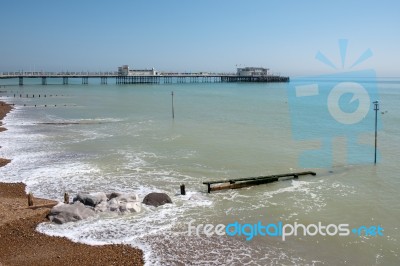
{"x":21,"y":81}
{"x":44,"y":81}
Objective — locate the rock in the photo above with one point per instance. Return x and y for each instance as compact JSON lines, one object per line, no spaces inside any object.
{"x":125,"y":203}
{"x":134,"y":206}
{"x":156,"y":199}
{"x":130,"y":206}
{"x":127,"y":197}
{"x":63,"y":213}
{"x":113,"y":205}
{"x":101,"y":207}
{"x":91,"y":199}
{"x":112,"y":195}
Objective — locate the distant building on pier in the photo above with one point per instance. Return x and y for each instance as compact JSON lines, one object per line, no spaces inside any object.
{"x":125,"y":71}
{"x":252,"y":72}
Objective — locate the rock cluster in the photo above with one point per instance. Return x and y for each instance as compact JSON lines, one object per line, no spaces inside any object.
{"x":62,"y":213}
{"x":86,"y":205}
{"x":21,"y":244}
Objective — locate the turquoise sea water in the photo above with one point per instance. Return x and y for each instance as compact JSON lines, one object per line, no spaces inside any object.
{"x":123,"y":138}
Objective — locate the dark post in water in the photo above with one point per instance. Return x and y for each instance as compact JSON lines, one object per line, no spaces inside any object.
{"x":376,"y":108}
{"x":183,"y":192}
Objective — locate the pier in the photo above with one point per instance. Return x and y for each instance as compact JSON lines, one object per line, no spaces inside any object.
{"x":159,"y":78}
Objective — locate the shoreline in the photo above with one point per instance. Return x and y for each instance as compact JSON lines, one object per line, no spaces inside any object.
{"x":4,"y":110}
{"x":23,"y":245}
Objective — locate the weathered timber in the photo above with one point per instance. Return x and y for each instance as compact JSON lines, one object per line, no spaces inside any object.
{"x":66,"y":198}
{"x":30,"y":199}
{"x":251,"y":181}
{"x":48,"y":205}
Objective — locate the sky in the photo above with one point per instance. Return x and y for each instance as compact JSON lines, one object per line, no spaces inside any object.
{"x":192,"y":36}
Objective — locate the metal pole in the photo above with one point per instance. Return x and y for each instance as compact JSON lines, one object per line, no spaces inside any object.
{"x":173,"y":112}
{"x":376,"y":108}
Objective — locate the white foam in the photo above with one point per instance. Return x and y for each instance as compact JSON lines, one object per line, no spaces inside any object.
{"x":49,"y":166}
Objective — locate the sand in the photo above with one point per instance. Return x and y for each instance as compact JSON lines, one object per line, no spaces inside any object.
{"x":21,"y":244}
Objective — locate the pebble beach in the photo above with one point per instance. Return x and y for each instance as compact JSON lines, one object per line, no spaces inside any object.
{"x":21,"y":244}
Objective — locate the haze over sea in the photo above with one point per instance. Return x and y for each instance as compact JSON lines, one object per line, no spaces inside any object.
{"x":123,"y":138}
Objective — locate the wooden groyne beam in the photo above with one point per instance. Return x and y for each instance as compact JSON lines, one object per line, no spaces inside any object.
{"x":250,"y":181}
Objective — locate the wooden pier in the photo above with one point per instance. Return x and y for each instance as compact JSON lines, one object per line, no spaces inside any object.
{"x":251,"y":181}
{"x":163,"y":78}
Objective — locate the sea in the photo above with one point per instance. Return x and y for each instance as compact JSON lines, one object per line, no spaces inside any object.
{"x":122,"y":138}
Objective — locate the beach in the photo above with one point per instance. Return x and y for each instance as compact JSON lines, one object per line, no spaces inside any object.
{"x":21,"y":244}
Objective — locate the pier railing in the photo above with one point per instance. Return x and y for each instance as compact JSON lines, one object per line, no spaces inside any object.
{"x":40,"y":74}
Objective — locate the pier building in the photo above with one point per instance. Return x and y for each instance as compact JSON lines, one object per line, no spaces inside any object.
{"x":252,"y":72}
{"x":125,"y":71}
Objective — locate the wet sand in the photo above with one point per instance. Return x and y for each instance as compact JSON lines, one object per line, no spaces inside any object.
{"x":21,"y":244}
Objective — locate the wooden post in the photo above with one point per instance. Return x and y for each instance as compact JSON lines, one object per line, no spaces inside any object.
{"x":66,"y":198}
{"x":183,"y":192}
{"x":30,"y":199}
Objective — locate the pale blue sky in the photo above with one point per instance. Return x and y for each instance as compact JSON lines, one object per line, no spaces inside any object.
{"x":208,"y":35}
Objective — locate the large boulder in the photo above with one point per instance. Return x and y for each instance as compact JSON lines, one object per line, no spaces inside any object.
{"x":63,"y":213}
{"x":91,"y":199}
{"x":156,"y":199}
